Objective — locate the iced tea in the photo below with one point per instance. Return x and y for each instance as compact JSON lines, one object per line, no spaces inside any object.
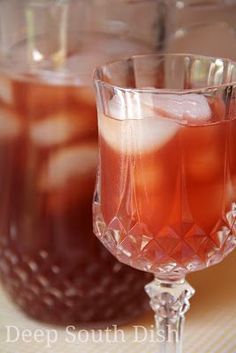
{"x":167,"y":181}
{"x":50,"y":262}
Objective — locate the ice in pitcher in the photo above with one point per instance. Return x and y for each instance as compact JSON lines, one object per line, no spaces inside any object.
{"x":10,"y":124}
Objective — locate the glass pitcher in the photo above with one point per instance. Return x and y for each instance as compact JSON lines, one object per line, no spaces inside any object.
{"x":51,"y":264}
{"x":204,"y":27}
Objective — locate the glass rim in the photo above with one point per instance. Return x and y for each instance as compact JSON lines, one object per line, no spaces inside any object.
{"x":204,"y":89}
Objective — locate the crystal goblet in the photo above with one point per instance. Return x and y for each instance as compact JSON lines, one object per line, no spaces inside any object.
{"x":165,"y":200}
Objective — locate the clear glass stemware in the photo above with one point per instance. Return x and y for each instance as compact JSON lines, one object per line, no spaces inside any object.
{"x":165,"y":200}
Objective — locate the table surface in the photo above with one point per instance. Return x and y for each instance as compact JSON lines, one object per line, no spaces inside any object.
{"x":210,"y":326}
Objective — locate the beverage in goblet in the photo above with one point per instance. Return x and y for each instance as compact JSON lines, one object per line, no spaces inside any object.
{"x":165,"y":199}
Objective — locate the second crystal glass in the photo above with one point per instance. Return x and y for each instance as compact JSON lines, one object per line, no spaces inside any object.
{"x":165,"y":200}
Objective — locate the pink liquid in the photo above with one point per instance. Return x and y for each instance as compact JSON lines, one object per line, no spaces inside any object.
{"x":169,"y":207}
{"x":51,"y":264}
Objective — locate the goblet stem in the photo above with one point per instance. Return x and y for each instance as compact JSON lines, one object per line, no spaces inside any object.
{"x":170,"y":302}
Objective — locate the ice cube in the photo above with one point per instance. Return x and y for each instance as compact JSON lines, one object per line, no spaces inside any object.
{"x":68,"y":164}
{"x":141,"y":135}
{"x":54,"y":130}
{"x":131,"y":106}
{"x":60,"y":127}
{"x":10,"y":125}
{"x":6,"y":90}
{"x":190,"y":107}
{"x":136,"y":126}
{"x":145,"y":121}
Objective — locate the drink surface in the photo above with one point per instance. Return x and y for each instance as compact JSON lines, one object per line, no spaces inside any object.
{"x":167,"y":188}
{"x":51,"y":264}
